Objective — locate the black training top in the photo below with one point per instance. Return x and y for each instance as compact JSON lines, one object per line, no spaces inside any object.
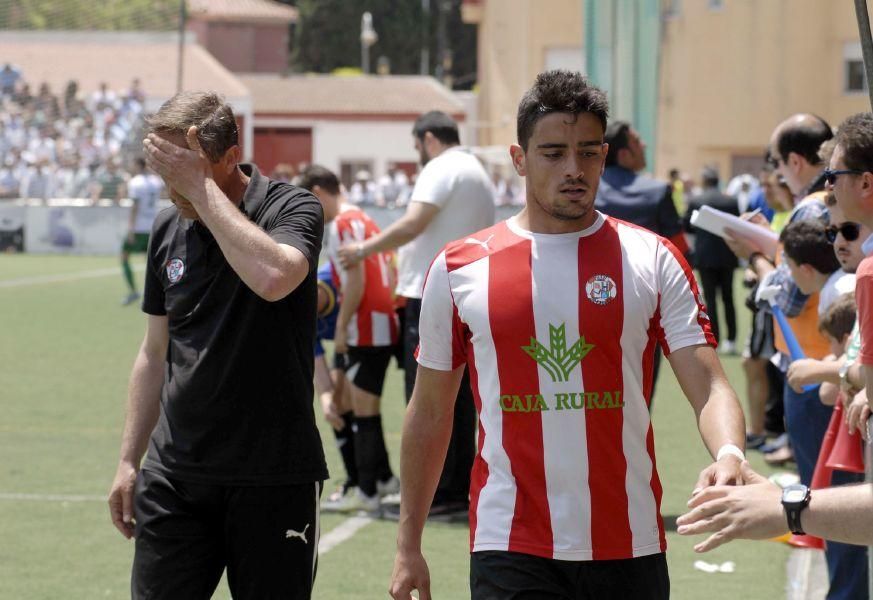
{"x":236,"y":404}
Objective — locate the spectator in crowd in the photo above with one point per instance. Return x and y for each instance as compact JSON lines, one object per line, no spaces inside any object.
{"x":677,"y":190}
{"x":111,"y":183}
{"x":714,"y":261}
{"x":363,"y":190}
{"x":9,"y":77}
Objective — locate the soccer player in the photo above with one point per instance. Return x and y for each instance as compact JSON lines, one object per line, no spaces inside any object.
{"x":366,"y":332}
{"x":221,"y":390}
{"x":557,"y":311}
{"x":144,"y":189}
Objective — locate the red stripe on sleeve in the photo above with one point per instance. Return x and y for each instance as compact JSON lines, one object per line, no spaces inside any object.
{"x":510,"y":308}
{"x":601,"y":320}
{"x":692,"y":282}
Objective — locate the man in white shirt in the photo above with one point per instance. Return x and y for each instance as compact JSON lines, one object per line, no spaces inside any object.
{"x":453,"y":197}
{"x":145,"y":190}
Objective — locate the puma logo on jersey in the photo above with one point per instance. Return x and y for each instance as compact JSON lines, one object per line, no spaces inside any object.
{"x":480,"y":242}
{"x":297,"y":534}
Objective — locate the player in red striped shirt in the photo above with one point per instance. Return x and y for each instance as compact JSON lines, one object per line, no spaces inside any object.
{"x":366,"y":333}
{"x":557,"y":312}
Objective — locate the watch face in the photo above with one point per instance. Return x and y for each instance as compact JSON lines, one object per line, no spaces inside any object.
{"x":795,"y":495}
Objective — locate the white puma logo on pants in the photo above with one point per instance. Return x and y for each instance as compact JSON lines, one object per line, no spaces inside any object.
{"x":300,"y":534}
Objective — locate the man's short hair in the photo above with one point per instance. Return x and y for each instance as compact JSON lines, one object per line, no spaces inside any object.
{"x":855,"y":137}
{"x":617,"y":136}
{"x":216,"y":126}
{"x":438,"y":124}
{"x":804,"y":139}
{"x":838,"y":319}
{"x":558,"y":91}
{"x":805,"y":243}
{"x":316,"y":175}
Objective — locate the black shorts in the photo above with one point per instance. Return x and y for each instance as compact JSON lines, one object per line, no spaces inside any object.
{"x":365,"y":367}
{"x":513,"y":576}
{"x":761,"y":337}
{"x":187,"y":534}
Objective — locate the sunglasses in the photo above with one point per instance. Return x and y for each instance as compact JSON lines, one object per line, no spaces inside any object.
{"x":850,"y":232}
{"x":831,"y":176}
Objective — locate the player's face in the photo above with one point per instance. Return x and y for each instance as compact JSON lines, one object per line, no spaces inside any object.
{"x":562,"y":166}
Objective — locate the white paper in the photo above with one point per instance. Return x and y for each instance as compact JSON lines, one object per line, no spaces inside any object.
{"x":717,"y":221}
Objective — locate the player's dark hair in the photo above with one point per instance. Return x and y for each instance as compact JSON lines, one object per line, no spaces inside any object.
{"x":855,"y":137}
{"x":838,"y":319}
{"x":216,"y":126}
{"x":316,"y":175}
{"x":438,"y":124}
{"x":617,"y":136}
{"x":804,"y":139}
{"x":805,"y":243}
{"x":558,"y":91}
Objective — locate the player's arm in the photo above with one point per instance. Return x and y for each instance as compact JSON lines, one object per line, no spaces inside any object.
{"x":417,"y":217}
{"x":353,"y":292}
{"x":754,"y":511}
{"x":427,"y":428}
{"x":718,"y":412}
{"x":270,"y":269}
{"x":143,"y":407}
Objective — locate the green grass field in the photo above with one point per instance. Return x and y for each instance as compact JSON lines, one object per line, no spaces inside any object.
{"x":66,"y":351}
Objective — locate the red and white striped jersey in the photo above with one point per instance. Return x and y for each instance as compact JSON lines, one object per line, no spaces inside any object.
{"x":559,"y":333}
{"x":375,"y":322}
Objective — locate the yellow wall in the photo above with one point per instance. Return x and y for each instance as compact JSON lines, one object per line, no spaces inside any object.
{"x":514,"y":37}
{"x":729,"y":76}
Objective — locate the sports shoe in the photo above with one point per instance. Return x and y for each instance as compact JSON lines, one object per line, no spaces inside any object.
{"x":728,"y":347}
{"x":354,"y":500}
{"x":130,"y":299}
{"x":780,"y":442}
{"x":389,"y":487}
{"x":754,"y":441}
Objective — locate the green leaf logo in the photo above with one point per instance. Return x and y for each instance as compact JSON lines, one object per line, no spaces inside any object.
{"x":558,"y":360}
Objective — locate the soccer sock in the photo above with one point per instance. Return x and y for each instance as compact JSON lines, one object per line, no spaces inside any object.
{"x":128,"y":274}
{"x":345,"y":443}
{"x":384,"y":471}
{"x":368,"y":446}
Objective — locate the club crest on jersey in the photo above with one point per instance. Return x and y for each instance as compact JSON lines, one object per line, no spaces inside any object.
{"x":601,"y":289}
{"x":175,"y":269}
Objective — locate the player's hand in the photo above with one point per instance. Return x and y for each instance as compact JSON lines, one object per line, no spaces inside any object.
{"x":722,"y":472}
{"x":410,"y":573}
{"x":185,"y":170}
{"x":348,"y":255}
{"x":330,"y":411}
{"x":857,"y":414}
{"x":340,"y":341}
{"x":121,"y":498}
{"x":752,"y":511}
{"x":801,"y":373}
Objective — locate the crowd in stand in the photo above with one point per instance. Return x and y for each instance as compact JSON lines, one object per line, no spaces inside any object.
{"x":67,"y":145}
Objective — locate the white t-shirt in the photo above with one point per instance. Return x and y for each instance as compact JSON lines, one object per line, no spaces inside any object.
{"x":457,"y":184}
{"x":838,"y":283}
{"x":144,"y":190}
{"x":559,"y":333}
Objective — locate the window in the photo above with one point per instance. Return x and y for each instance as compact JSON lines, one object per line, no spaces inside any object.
{"x":854,"y":76}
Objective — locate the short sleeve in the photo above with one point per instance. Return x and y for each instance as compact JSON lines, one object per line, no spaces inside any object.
{"x":300,"y":224}
{"x":864,"y":299}
{"x":440,"y":342}
{"x":683,"y":317}
{"x":153,"y":290}
{"x":432,"y":185}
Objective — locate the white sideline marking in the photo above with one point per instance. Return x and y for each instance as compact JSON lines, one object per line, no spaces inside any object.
{"x":341,"y":533}
{"x":51,"y":497}
{"x":64,"y":277}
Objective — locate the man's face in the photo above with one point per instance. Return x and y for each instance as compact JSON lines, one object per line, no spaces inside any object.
{"x":847,"y":190}
{"x":636,"y":149}
{"x":802,"y":276}
{"x":848,"y":253}
{"x":423,"y":156}
{"x":563,"y":164}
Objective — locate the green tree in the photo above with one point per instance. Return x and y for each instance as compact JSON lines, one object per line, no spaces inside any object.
{"x":86,"y":14}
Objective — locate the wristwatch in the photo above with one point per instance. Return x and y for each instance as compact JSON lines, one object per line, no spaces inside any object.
{"x":794,"y":499}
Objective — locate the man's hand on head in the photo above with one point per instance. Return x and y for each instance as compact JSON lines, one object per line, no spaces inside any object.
{"x":184,"y":170}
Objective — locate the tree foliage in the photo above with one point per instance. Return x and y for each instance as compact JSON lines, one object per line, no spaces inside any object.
{"x":148,"y":15}
{"x":328,"y":36}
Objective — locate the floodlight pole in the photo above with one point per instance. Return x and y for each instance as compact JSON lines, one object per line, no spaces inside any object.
{"x":179,"y":66}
